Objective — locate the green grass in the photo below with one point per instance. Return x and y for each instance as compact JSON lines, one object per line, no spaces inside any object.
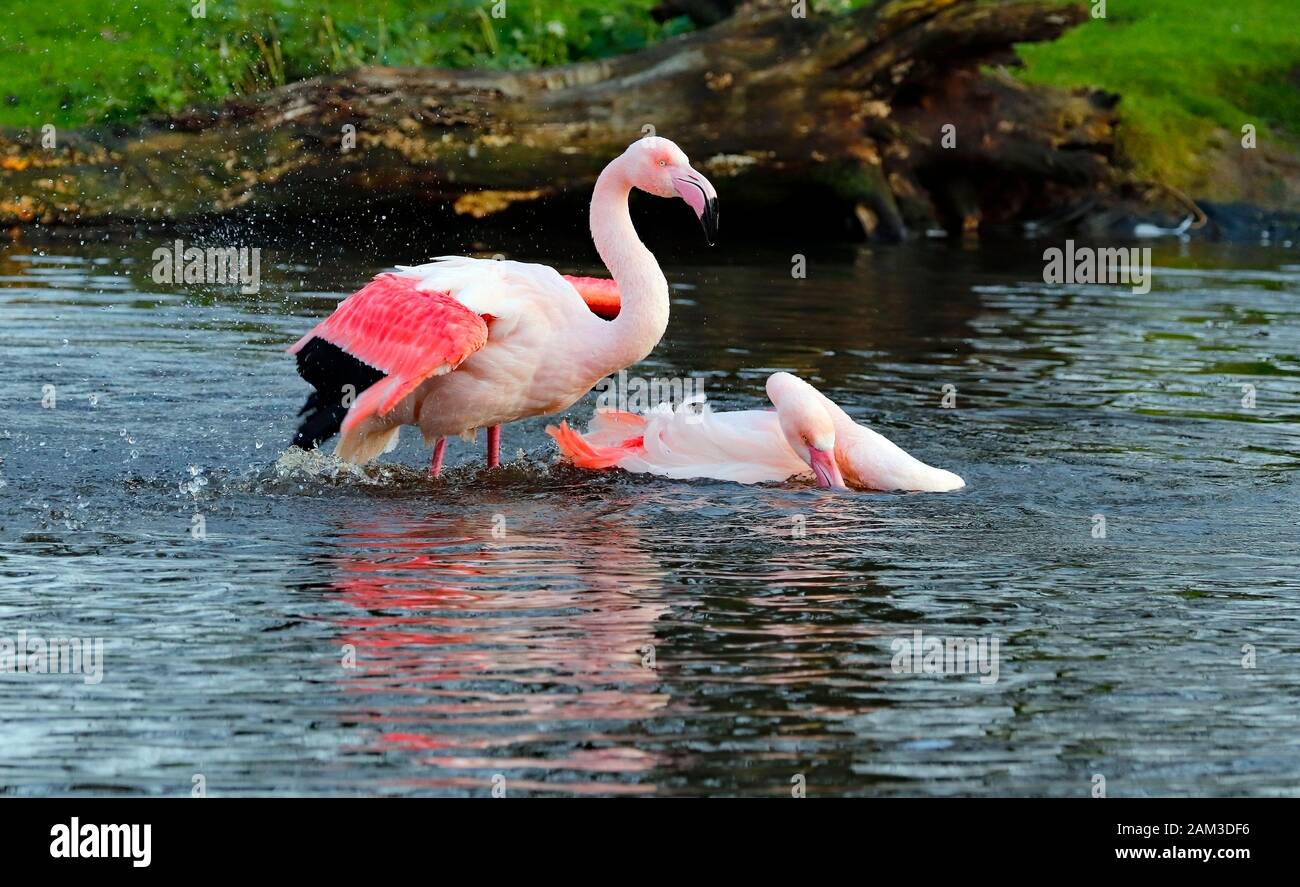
{"x":72,"y":62}
{"x":1191,"y":73}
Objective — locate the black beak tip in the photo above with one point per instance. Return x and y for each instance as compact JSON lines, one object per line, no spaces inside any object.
{"x":709,"y":219}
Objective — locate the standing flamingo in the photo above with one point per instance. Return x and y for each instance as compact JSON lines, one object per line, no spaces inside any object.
{"x":460,"y":344}
{"x":806,"y":435}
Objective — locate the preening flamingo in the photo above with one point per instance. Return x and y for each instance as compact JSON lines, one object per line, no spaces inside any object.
{"x":807,"y":435}
{"x":460,"y":344}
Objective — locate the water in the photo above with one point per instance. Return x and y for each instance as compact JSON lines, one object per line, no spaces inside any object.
{"x":525,"y":656}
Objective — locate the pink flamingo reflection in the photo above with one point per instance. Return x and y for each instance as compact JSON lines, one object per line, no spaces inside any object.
{"x":504,"y":654}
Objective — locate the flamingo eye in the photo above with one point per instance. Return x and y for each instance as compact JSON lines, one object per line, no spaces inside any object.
{"x":663,"y":162}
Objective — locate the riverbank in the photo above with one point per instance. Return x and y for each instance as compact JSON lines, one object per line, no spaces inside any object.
{"x":1186,"y":79}
{"x":1190,"y":77}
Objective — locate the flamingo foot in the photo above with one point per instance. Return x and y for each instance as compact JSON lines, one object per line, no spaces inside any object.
{"x":435,"y":467}
{"x":494,"y":446}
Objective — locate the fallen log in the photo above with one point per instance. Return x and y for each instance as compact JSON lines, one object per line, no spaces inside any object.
{"x":849,"y":112}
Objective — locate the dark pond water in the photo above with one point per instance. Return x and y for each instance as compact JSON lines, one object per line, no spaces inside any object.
{"x":524,"y":656}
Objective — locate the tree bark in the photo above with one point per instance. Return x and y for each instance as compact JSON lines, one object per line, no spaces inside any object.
{"x":848,"y":109}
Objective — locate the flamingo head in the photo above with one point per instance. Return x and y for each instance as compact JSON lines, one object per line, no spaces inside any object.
{"x":807,"y":426}
{"x":657,"y":166}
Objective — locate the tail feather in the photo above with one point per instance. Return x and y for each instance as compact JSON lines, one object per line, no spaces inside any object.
{"x":361,"y":448}
{"x":577,"y":450}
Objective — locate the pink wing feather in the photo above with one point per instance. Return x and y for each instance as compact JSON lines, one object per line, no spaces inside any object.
{"x":600,"y":293}
{"x":404,"y":332}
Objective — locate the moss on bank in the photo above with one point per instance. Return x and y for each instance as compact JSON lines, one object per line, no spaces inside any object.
{"x":1192,"y":73}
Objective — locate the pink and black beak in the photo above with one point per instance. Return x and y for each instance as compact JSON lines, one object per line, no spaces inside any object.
{"x":825,"y":469}
{"x":696,"y":190}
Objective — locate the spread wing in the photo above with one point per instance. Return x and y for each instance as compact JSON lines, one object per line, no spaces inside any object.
{"x":407,"y":333}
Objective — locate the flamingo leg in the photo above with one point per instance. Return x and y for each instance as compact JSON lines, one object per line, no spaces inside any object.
{"x":440,"y":448}
{"x":494,"y":446}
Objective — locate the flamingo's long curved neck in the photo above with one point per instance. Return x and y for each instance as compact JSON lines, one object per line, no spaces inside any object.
{"x":643,"y":290}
